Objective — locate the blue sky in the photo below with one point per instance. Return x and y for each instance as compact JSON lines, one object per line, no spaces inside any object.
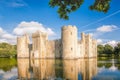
{"x":15,"y":14}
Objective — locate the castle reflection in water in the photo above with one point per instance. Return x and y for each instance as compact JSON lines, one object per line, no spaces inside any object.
{"x":57,"y":69}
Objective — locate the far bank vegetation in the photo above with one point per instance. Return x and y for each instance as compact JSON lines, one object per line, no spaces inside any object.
{"x":7,"y":50}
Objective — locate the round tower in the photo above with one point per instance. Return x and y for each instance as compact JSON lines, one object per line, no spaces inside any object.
{"x":69,"y":42}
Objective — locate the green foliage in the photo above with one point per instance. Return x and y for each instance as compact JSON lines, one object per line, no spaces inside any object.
{"x":7,"y":50}
{"x":101,"y":5}
{"x":105,"y":51}
{"x":104,"y":58}
{"x":67,"y":6}
{"x":107,"y":65}
{"x":117,"y":49}
{"x":100,"y":49}
{"x":108,"y":49}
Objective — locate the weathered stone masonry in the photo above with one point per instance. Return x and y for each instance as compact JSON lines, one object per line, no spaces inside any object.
{"x":23,"y":46}
{"x":68,"y":47}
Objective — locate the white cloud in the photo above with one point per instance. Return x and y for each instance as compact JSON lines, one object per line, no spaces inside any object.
{"x":10,"y":75}
{"x":97,"y":34}
{"x":31,"y":27}
{"x":3,"y":40}
{"x":106,"y":28}
{"x":7,"y":37}
{"x":22,"y":28}
{"x":112,"y":43}
{"x":100,"y":31}
{"x":13,"y":3}
{"x":2,"y":31}
{"x":17,"y":4}
{"x":99,"y":41}
{"x":2,"y":72}
{"x":91,"y":34}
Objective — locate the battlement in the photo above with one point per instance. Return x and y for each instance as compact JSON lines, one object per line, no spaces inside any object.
{"x":39,"y":33}
{"x":23,"y":38}
{"x":88,"y":36}
{"x":85,"y":36}
{"x":82,"y":34}
{"x":69,"y":27}
{"x":94,"y":41}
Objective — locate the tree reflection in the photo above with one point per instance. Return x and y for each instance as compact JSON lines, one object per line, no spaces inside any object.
{"x":7,"y":64}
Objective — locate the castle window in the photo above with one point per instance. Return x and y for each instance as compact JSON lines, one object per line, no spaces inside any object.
{"x":71,"y":49}
{"x":71,"y":33}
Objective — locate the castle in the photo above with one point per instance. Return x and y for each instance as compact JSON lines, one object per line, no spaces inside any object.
{"x":68,"y":47}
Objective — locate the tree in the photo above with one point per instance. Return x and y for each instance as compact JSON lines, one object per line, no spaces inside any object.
{"x":117,"y":49}
{"x":100,"y":49}
{"x":67,"y":6}
{"x":108,"y":49}
{"x":7,"y":50}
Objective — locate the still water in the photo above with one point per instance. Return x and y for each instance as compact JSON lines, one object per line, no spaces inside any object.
{"x":56,"y":69}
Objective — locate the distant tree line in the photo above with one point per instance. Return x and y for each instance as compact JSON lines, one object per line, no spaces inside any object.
{"x":7,"y":50}
{"x":108,"y":50}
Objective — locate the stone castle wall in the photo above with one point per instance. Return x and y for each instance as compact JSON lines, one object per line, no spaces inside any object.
{"x":23,"y":46}
{"x":54,"y":49}
{"x":88,"y":46}
{"x":68,"y":47}
{"x":39,"y":45}
{"x":50,"y":49}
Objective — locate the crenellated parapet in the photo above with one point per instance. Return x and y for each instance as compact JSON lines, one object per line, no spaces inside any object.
{"x":39,"y":34}
{"x":69,"y":27}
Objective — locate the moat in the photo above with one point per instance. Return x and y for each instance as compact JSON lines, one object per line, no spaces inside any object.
{"x":57,"y":69}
